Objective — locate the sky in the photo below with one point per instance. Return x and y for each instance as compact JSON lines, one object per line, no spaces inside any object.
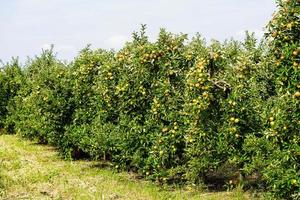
{"x":28,"y":26}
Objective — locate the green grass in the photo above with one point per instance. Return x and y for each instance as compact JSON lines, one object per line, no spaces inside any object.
{"x":32,"y":171}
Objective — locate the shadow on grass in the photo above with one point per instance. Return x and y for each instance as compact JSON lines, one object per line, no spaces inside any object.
{"x":102,"y":165}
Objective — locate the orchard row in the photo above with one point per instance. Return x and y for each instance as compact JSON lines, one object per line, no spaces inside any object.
{"x":173,"y":110}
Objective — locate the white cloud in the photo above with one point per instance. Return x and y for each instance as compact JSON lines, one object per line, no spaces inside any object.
{"x":116,"y":41}
{"x":259,"y":33}
{"x":59,"y":47}
{"x":240,"y":35}
{"x":65,"y":47}
{"x":46,"y":46}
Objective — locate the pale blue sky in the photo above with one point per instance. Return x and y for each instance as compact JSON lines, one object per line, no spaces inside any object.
{"x":27,"y":26}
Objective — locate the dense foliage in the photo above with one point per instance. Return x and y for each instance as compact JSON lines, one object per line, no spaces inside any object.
{"x":174,"y":110}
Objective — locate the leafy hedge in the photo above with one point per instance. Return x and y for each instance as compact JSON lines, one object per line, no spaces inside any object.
{"x":173,"y":110}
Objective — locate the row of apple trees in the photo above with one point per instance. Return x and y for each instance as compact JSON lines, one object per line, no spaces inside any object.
{"x":176,"y":110}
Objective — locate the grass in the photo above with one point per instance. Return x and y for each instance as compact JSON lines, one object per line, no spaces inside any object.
{"x":32,"y":171}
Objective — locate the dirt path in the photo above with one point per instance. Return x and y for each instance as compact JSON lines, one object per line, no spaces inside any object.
{"x":32,"y":171}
